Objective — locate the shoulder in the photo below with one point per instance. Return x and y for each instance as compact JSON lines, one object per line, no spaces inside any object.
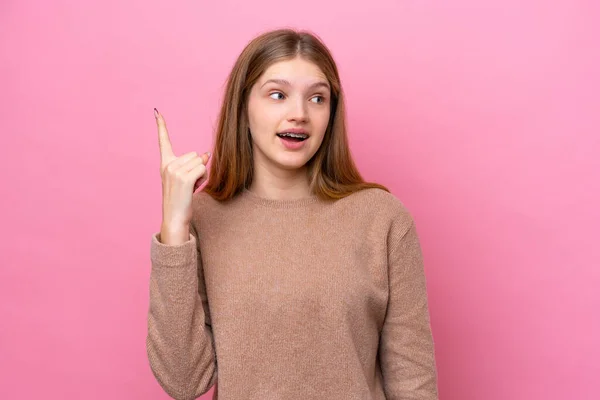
{"x":204,"y":209}
{"x":383,"y":214}
{"x":381,"y":204}
{"x":203,"y":199}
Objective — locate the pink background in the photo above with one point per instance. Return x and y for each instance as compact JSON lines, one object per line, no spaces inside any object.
{"x":481,"y":116}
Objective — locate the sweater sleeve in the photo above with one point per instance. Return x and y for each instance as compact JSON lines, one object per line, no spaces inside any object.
{"x":406,"y":348}
{"x":179,"y":343}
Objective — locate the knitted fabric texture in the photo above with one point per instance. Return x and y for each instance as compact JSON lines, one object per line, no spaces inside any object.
{"x":293,"y":299}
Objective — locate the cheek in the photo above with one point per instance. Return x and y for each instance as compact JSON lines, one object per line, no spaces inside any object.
{"x":263,"y":119}
{"x":252,"y":114}
{"x":321,"y":120}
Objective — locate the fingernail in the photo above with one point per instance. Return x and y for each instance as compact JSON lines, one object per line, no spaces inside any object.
{"x":155,"y":113}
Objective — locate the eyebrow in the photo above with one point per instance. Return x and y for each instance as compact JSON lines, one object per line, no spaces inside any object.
{"x":283,"y":82}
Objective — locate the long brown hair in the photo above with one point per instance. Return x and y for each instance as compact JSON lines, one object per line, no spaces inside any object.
{"x":332,"y":172}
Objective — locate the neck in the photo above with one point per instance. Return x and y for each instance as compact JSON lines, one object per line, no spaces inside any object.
{"x":280,"y":184}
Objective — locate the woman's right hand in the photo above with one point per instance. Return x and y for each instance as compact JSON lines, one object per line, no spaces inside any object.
{"x":181,"y":176}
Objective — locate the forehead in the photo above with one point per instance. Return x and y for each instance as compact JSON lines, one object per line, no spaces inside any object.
{"x":297,"y":71}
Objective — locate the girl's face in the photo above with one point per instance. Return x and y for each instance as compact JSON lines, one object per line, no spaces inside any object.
{"x":291,"y":95}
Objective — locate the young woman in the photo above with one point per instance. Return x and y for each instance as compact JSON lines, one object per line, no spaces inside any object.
{"x":287,"y":276}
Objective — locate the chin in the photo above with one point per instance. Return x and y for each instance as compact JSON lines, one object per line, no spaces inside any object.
{"x":292,"y":166}
{"x":291,"y":162}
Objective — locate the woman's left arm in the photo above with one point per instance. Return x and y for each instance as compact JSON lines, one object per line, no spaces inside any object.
{"x":406,"y":348}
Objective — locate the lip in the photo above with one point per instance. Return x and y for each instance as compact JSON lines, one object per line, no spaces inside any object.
{"x":295,"y":130}
{"x":293,"y":145}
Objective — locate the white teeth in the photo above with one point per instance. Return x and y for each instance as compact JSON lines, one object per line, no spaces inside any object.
{"x":294,"y":135}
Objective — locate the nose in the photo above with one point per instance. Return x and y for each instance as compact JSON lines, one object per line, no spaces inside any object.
{"x":298,"y":111}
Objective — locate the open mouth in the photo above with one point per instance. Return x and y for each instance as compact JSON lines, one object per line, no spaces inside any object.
{"x":293,"y":137}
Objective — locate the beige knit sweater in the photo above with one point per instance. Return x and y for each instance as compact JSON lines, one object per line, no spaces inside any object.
{"x":293,"y":299}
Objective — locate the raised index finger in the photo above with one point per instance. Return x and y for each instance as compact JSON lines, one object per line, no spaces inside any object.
{"x":164,"y":143}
